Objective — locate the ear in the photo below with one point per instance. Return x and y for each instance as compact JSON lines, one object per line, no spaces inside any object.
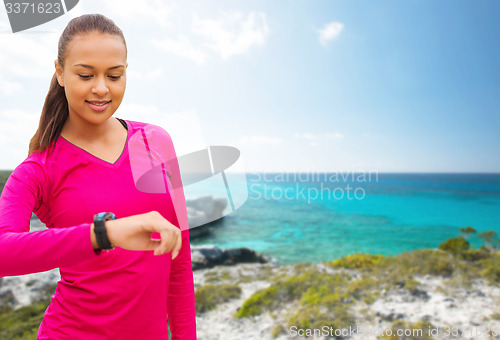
{"x":59,"y":73}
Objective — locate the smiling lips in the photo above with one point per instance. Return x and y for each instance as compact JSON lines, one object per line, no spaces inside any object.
{"x":98,"y":105}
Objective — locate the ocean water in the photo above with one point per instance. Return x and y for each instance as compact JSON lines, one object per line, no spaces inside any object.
{"x":320,"y":217}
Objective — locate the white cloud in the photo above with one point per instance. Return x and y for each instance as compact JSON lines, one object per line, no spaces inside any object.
{"x":334,"y":135}
{"x":153,"y":74}
{"x":259,"y":140}
{"x":29,"y":55}
{"x":133,"y":10}
{"x":184,"y":126}
{"x":7,"y":88}
{"x":230,"y":34}
{"x":329,"y":32}
{"x":138,"y":112}
{"x":76,"y":11}
{"x":319,"y":139}
{"x":233,"y":33}
{"x":182,"y":47}
{"x":16,"y":130}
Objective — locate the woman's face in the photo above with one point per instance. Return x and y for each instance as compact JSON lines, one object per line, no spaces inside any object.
{"x":93,"y":76}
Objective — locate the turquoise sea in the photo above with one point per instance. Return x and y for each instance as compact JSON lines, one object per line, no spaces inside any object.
{"x":312,"y":217}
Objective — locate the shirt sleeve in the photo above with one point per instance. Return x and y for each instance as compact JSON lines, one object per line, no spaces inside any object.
{"x":181,"y":312}
{"x":180,"y":303}
{"x":22,"y":252}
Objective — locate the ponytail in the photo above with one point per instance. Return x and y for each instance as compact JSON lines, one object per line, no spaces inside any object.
{"x":54,"y":115}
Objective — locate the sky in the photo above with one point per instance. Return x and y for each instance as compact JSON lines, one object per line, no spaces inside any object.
{"x":378,"y":86}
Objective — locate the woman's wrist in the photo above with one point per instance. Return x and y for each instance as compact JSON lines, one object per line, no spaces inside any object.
{"x":93,"y":238}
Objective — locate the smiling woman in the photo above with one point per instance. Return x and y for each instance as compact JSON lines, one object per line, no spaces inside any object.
{"x":93,"y":77}
{"x":78,"y":171}
{"x":94,"y":73}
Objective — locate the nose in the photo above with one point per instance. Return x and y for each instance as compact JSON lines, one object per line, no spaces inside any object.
{"x":100,"y":87}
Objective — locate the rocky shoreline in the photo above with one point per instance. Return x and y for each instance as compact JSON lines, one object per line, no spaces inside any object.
{"x":432,"y":301}
{"x":467,"y":307}
{"x":23,"y":290}
{"x":448,"y":293}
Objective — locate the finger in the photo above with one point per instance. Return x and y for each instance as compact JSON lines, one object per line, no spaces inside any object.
{"x":177,"y":246}
{"x":166,"y":242}
{"x":154,"y":244}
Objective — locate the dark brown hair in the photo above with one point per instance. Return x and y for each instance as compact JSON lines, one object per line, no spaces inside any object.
{"x":55,"y":109}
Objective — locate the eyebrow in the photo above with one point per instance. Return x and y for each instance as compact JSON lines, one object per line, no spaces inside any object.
{"x":90,"y":66}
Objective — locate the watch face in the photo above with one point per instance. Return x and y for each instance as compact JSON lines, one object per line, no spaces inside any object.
{"x":99,"y":216}
{"x":104,"y":216}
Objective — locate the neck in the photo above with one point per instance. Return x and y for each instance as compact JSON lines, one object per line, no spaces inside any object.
{"x":87,"y":132}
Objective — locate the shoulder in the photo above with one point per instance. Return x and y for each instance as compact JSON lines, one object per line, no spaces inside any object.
{"x":30,"y":174}
{"x":35,"y":164}
{"x":150,"y":137}
{"x":141,"y":125}
{"x":150,"y":131}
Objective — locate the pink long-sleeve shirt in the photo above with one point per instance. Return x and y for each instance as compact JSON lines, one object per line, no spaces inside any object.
{"x":119,"y":294}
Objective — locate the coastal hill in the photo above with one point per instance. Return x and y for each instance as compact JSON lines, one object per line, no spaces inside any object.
{"x":449,"y":292}
{"x":425,"y":294}
{"x":4,"y":175}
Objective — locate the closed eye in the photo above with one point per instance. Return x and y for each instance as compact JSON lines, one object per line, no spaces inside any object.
{"x":86,"y":77}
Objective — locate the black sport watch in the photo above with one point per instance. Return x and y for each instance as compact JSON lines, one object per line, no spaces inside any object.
{"x":100,"y":229}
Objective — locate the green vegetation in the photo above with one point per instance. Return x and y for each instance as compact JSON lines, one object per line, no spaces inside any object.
{"x":4,"y":175}
{"x":323,"y":300}
{"x":216,"y":276}
{"x":23,"y":323}
{"x":455,"y":246}
{"x":209,"y":296}
{"x":467,"y":231}
{"x":312,"y":296}
{"x":489,"y":238}
{"x":320,"y":298}
{"x":495,"y":316}
{"x":277,"y":330}
{"x":402,"y":330}
{"x":311,"y":287}
{"x":318,"y":316}
{"x":357,"y":261}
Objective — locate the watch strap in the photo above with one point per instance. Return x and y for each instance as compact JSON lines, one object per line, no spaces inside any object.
{"x":100,"y":229}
